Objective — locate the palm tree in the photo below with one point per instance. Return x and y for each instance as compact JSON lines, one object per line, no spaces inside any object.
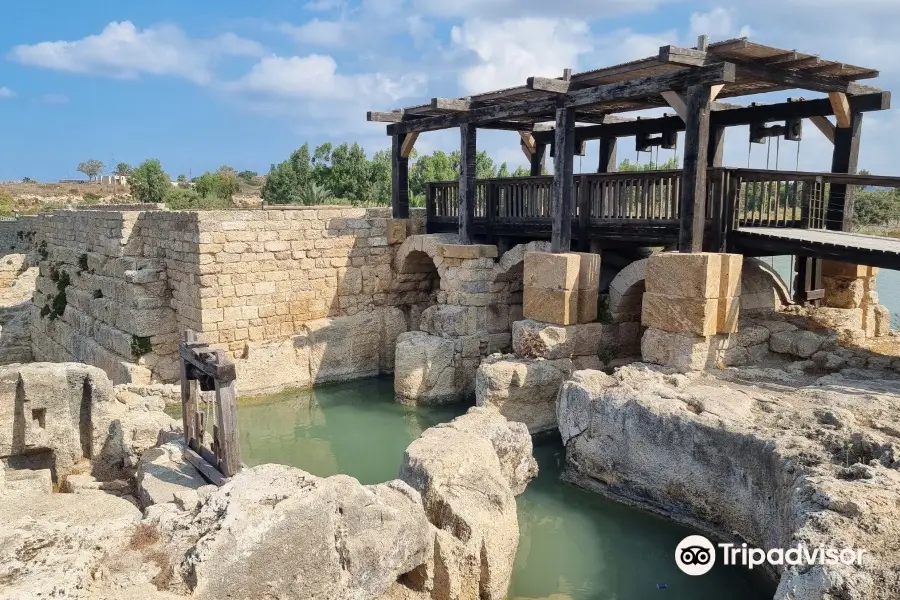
{"x":312,"y":193}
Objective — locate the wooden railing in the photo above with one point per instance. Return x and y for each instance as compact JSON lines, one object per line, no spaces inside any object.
{"x":736,"y":198}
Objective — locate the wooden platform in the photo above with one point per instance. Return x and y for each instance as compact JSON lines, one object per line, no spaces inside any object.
{"x":818,"y":243}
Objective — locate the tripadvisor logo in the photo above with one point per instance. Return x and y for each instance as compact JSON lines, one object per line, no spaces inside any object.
{"x":696,"y":555}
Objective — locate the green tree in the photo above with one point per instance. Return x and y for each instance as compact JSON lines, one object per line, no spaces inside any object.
{"x":630,"y":167}
{"x":281,"y":186}
{"x":123,"y":169}
{"x":524,"y":172}
{"x":91,"y":168}
{"x":221,"y":184}
{"x":503,"y":171}
{"x":149,"y":183}
{"x":247,"y":176}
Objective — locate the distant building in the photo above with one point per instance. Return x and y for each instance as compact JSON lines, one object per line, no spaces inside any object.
{"x":113,"y":179}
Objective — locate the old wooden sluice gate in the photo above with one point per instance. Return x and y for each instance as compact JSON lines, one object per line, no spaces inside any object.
{"x":203,"y":369}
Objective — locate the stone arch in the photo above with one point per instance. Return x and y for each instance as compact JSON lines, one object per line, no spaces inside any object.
{"x":508,"y":279}
{"x":626,"y":291}
{"x":762,"y":288}
{"x":417,"y":276}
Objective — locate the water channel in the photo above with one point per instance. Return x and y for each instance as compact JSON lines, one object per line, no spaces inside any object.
{"x":574,"y":545}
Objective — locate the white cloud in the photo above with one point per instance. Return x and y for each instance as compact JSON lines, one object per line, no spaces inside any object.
{"x":717,"y":24}
{"x":321,"y":33}
{"x":316,"y":77}
{"x":54,"y":99}
{"x":324,"y":5}
{"x":500,"y":9}
{"x":122,"y":50}
{"x":5,"y":92}
{"x":508,"y":52}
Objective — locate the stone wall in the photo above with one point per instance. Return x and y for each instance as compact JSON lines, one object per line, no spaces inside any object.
{"x":116,"y":289}
{"x":16,"y":235}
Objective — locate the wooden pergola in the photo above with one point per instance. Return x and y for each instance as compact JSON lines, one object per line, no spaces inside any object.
{"x":567,"y":111}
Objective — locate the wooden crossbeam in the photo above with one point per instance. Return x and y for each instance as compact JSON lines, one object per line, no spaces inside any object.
{"x":825,"y":126}
{"x":527,"y":142}
{"x":642,"y":87}
{"x":384,"y":117}
{"x":451,"y":104}
{"x":841,"y":107}
{"x":676,"y":101}
{"x":546,"y":84}
{"x":689,"y":57}
{"x":729,"y":117}
{"x":409,"y":142}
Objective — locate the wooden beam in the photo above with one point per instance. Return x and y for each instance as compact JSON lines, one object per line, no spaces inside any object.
{"x":562,"y":200}
{"x":409,"y":142}
{"x":537,"y":159}
{"x":451,"y":104}
{"x":676,"y":101}
{"x":527,"y":140}
{"x":825,"y":126}
{"x":467,"y":183}
{"x":228,"y":448}
{"x":696,"y":58}
{"x":714,"y":91}
{"x":693,"y":190}
{"x":399,"y":177}
{"x":702,"y":42}
{"x":642,"y":87}
{"x":528,"y":154}
{"x":546,"y":84}
{"x":384,"y":117}
{"x":844,"y":159}
{"x":607,"y":162}
{"x":729,"y":117}
{"x":841,"y":107}
{"x":716,"y":151}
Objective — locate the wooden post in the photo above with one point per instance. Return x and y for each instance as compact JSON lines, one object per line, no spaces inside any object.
{"x":716,"y":151}
{"x":844,"y":159}
{"x":693,"y":189}
{"x":538,"y":159}
{"x":399,"y":178}
{"x":562,"y":199}
{"x":466,"y":183}
{"x":584,"y":214}
{"x":607,"y":163}
{"x":228,"y":441}
{"x":188,"y":395}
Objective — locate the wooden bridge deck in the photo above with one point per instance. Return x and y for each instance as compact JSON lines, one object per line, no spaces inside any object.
{"x":818,"y":243}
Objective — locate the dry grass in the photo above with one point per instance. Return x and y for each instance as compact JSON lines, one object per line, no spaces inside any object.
{"x":531,"y":345}
{"x":143,"y":537}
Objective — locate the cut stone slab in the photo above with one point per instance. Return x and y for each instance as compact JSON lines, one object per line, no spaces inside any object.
{"x":836,"y":269}
{"x":587,"y":301}
{"x":467,"y":251}
{"x":843,"y":293}
{"x":729,"y":312}
{"x":424,"y":369}
{"x":550,"y":305}
{"x":588,"y":271}
{"x":396,"y":231}
{"x":731,"y":274}
{"x":28,"y":480}
{"x":685,"y":275}
{"x":679,"y":314}
{"x":534,"y":339}
{"x":551,"y":271}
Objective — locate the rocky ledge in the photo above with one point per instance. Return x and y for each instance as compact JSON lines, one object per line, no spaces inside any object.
{"x":445,"y":528}
{"x":779,"y":460}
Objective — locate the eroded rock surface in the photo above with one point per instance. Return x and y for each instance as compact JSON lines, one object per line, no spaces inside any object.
{"x":811,"y":462}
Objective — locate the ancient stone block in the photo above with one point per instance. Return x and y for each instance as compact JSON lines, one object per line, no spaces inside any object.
{"x":467,"y":251}
{"x":424,"y":369}
{"x":882,"y":321}
{"x":730,"y":277}
{"x":843,"y":270}
{"x":729,"y":311}
{"x":681,"y":351}
{"x":680,"y":315}
{"x":587,"y":305}
{"x":550,"y":306}
{"x":843,"y":293}
{"x":551,"y":271}
{"x":684,"y":275}
{"x":588,"y":271}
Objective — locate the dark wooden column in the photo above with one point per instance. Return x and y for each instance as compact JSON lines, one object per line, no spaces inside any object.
{"x":693,"y":187}
{"x":715,"y":153}
{"x":562,"y":200}
{"x":538,"y":159}
{"x":839,"y":216}
{"x":399,"y":178}
{"x":607,"y":163}
{"x":466,"y":183}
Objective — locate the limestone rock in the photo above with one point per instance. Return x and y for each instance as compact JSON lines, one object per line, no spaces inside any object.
{"x":680,"y":315}
{"x":310,"y":537}
{"x":163,"y":472}
{"x":467,"y":497}
{"x":769,"y":462}
{"x":694,"y":276}
{"x":425,"y":369}
{"x":522,"y":390}
{"x":534,"y":339}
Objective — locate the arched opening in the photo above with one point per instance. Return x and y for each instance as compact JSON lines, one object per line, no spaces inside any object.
{"x":506,"y":307}
{"x":417,"y":284}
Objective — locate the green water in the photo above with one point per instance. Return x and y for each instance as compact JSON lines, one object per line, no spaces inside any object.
{"x":573,"y":544}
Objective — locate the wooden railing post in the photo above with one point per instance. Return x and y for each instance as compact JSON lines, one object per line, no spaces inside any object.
{"x":584,"y":213}
{"x":430,"y":207}
{"x":490,"y":209}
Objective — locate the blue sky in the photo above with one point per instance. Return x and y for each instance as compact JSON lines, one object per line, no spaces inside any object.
{"x":202,"y":84}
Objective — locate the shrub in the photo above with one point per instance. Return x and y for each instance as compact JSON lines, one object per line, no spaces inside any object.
{"x":149,"y":183}
{"x":91,"y":198}
{"x":140,"y":346}
{"x":187,"y":199}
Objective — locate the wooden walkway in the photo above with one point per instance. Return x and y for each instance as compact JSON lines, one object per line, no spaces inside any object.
{"x":818,"y":243}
